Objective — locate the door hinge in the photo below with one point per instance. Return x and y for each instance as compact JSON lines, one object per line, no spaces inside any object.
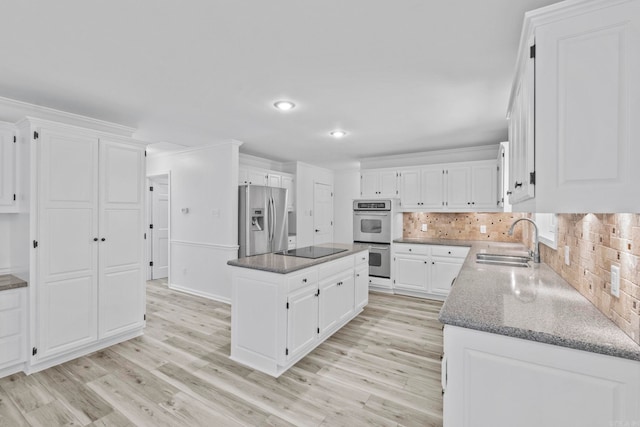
{"x":36,"y":135}
{"x":151,"y":226}
{"x":35,"y":244}
{"x":318,"y":330}
{"x":151,"y":188}
{"x":287,"y":306}
{"x":34,"y":351}
{"x":14,"y":197}
{"x":145,"y":153}
{"x":318,"y":293}
{"x":150,"y":263}
{"x":532,"y":51}
{"x":286,"y":351}
{"x":532,"y":177}
{"x":14,"y":139}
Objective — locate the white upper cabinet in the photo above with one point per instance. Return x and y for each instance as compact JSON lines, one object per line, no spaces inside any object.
{"x":587,"y":135}
{"x":7,"y":168}
{"x":289,"y":183}
{"x":379,"y":183}
{"x":469,"y":186}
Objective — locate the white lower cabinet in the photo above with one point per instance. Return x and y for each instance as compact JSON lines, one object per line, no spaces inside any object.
{"x":13,"y":331}
{"x":277,"y":319}
{"x":426,"y":270}
{"x":89,"y":243}
{"x":499,"y":381}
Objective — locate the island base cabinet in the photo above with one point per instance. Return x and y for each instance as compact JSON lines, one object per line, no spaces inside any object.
{"x":499,"y":381}
{"x":277,"y":319}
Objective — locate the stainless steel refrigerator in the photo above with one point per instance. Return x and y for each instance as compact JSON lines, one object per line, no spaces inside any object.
{"x":262,"y":225}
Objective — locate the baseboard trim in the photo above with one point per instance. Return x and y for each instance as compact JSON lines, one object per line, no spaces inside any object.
{"x":206,"y":295}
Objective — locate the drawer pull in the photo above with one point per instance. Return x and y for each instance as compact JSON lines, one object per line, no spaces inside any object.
{"x":304,"y":280}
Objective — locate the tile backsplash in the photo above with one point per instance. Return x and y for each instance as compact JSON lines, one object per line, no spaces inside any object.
{"x":461,"y":226}
{"x":596,"y":242}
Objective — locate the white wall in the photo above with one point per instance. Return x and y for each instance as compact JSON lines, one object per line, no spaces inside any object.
{"x":5,"y":243}
{"x":204,"y":181}
{"x":346,"y":189}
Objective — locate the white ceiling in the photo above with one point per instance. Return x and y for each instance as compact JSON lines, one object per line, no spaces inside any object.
{"x":398,"y":75}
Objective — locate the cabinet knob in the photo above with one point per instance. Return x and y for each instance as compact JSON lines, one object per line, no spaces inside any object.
{"x":95,"y":239}
{"x":433,"y":263}
{"x":304,"y":280}
{"x":468,"y":203}
{"x":103,"y":239}
{"x":518,"y":184}
{"x":410,"y":249}
{"x":425,"y":262}
{"x":357,"y":275}
{"x":449,"y":252}
{"x":473,"y":203}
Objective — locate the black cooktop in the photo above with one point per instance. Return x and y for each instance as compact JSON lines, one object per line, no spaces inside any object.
{"x":311,"y":252}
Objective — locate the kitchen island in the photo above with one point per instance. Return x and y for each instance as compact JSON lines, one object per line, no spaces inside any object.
{"x":522,"y":347}
{"x":282,"y":306}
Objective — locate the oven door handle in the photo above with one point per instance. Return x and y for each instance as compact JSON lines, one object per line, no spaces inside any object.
{"x":379,"y":248}
{"x":371,"y":214}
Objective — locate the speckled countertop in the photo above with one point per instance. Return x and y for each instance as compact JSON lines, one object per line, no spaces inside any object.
{"x":284,"y":264}
{"x":7,"y":281}
{"x":533,"y":303}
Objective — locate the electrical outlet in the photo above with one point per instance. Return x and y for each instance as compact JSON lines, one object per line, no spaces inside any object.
{"x":423,"y":227}
{"x":567,"y":255}
{"x":615,"y":281}
{"x":483,"y":229}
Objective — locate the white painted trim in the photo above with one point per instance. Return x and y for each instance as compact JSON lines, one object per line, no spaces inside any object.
{"x":206,"y":295}
{"x":453,"y":155}
{"x":6,"y":270}
{"x":27,"y":109}
{"x":14,"y":369}
{"x":98,"y":345}
{"x":198,"y":148}
{"x":205,"y":245}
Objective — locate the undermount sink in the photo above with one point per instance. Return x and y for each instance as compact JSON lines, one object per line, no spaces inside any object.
{"x":505,"y":260}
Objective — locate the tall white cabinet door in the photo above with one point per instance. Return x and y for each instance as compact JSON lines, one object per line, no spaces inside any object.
{"x":7,"y":168}
{"x":330,"y":308}
{"x":302,"y":319}
{"x":66,"y":312}
{"x":432,"y":188}
{"x":361,"y":286}
{"x":121,"y":290}
{"x":484,"y":194}
{"x":587,"y":109}
{"x":458,"y":187}
{"x":410,"y":194}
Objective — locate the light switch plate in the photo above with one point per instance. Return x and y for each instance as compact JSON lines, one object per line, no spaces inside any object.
{"x":483,"y":229}
{"x":615,"y":281}
{"x":567,"y":255}
{"x":423,"y":227}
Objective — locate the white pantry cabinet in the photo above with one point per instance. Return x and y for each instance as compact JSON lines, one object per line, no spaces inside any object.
{"x":426,"y":270}
{"x":378,"y":183}
{"x":8,"y":172}
{"x":499,"y":381}
{"x":277,"y":319}
{"x":580,"y":62}
{"x":455,"y":187}
{"x":88,"y":244}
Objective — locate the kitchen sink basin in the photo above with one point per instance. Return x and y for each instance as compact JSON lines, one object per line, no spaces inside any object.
{"x":505,"y":260}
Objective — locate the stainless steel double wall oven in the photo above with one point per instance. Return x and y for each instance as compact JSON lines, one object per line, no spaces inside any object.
{"x":372,"y":225}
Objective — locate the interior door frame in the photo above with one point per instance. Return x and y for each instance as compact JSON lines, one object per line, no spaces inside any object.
{"x":148,"y":216}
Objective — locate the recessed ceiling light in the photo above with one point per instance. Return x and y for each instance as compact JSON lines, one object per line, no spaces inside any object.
{"x":338,"y":133}
{"x":284,"y":105}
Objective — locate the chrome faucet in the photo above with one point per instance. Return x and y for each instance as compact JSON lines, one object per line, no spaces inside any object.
{"x":536,"y":253}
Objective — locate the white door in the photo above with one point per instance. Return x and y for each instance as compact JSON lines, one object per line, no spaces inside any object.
{"x":346,"y":289}
{"x":160,"y":231}
{"x":459,"y":187}
{"x":322,"y":213}
{"x":410,"y":188}
{"x":433,"y":188}
{"x":412,"y":273}
{"x":369,"y":184}
{"x":287,"y":182}
{"x":302,"y":319}
{"x":68,"y":242}
{"x":443,"y":271}
{"x":362,"y":286}
{"x":330,"y":306}
{"x":121,"y":254}
{"x":274,"y":180}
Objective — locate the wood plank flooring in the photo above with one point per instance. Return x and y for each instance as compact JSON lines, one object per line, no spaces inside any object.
{"x":381,"y":369}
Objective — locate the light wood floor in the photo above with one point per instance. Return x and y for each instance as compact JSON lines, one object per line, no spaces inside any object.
{"x":383,"y":369}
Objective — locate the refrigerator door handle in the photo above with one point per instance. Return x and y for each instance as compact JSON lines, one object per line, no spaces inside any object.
{"x":272,"y":219}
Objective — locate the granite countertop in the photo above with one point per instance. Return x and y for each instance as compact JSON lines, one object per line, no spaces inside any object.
{"x":284,"y":264}
{"x":7,"y":281}
{"x":533,"y":303}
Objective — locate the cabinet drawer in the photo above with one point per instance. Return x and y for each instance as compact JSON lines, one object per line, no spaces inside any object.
{"x":362,"y":258}
{"x":450,"y":251}
{"x":308,"y":276}
{"x":10,"y":323}
{"x":412,"y":249}
{"x":9,"y":300}
{"x":335,"y":267}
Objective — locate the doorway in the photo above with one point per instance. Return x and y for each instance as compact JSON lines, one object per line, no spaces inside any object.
{"x":158,"y":226}
{"x":322,"y":213}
